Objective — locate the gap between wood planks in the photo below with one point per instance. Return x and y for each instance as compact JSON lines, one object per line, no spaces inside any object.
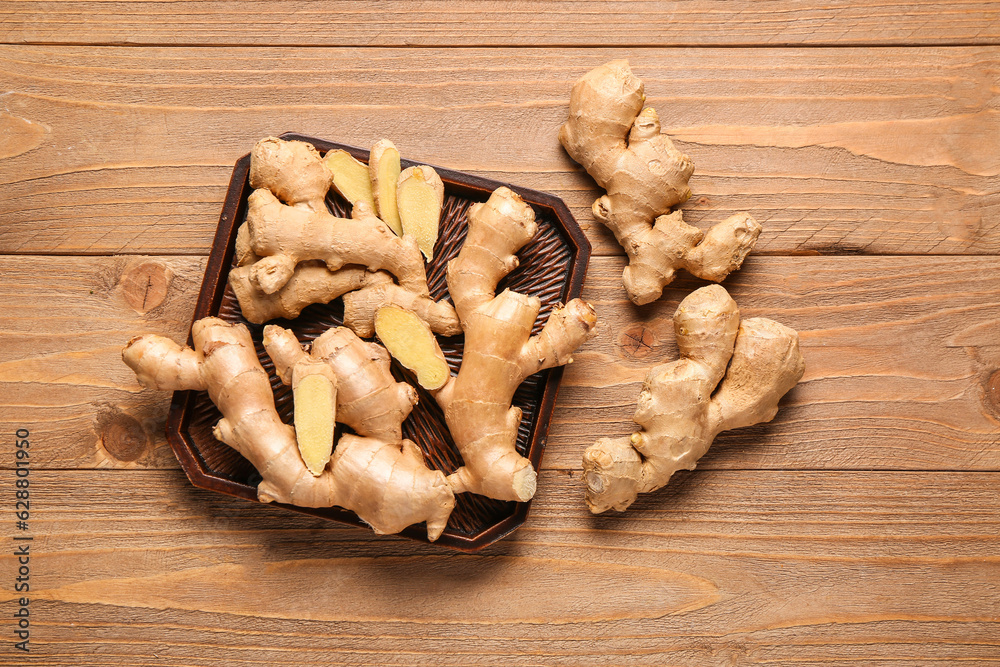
{"x":672,"y":45}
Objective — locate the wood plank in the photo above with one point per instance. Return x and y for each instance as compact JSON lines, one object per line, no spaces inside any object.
{"x":726,"y":567}
{"x":64,"y":324}
{"x":521,"y":23}
{"x":901,"y":355}
{"x":901,"y":361}
{"x":836,"y":151}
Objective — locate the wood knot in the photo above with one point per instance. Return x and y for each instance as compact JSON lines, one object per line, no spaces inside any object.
{"x":637,"y":341}
{"x":145,"y":285}
{"x":121,"y":435}
{"x":20,"y":135}
{"x":993,"y":392}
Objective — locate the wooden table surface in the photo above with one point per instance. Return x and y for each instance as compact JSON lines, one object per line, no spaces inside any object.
{"x":861,"y":527}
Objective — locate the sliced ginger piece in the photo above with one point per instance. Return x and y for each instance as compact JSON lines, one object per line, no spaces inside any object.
{"x":412,"y":343}
{"x":350,"y":177}
{"x":383,"y":169}
{"x":314,"y":391}
{"x":419,"y":198}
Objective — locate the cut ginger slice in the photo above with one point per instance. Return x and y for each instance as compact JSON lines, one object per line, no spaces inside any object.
{"x":419,"y":198}
{"x":314,"y":391}
{"x":412,"y":343}
{"x":350,"y":177}
{"x":383,"y":168}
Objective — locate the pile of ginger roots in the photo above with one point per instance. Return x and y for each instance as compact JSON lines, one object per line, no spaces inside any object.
{"x":292,"y":252}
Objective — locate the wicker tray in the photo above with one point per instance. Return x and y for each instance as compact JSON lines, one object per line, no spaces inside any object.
{"x":552,"y":268}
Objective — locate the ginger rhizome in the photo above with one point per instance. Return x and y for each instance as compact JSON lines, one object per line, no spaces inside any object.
{"x":314,"y":388}
{"x":619,"y":143}
{"x":350,"y":177}
{"x":500,"y":351}
{"x":381,"y":478}
{"x":290,"y":238}
{"x":730,"y":374}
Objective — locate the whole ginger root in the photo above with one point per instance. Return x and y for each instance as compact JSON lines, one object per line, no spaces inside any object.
{"x":499,"y":351}
{"x":730,"y":374}
{"x":619,"y":143}
{"x":381,"y":477}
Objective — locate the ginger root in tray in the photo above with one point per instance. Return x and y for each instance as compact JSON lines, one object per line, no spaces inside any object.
{"x":290,"y":238}
{"x":291,"y":252}
{"x":620,"y":145}
{"x":499,"y":352}
{"x":376,"y":474}
{"x":730,"y":374}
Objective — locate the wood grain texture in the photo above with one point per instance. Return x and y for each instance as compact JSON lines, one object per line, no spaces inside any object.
{"x":65,"y":321}
{"x":860,"y":528}
{"x":724,"y":568}
{"x":900,"y":360}
{"x":490,"y":23}
{"x":835,"y":151}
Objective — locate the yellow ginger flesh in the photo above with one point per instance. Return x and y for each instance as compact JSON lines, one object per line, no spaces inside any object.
{"x":730,"y":374}
{"x":411,"y":342}
{"x":419,"y":198}
{"x":383,"y":168}
{"x":314,"y":388}
{"x":350,"y":178}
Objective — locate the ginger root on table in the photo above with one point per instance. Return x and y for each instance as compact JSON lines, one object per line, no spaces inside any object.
{"x":383,"y":167}
{"x":376,"y":474}
{"x":619,"y":143}
{"x":730,"y":374}
{"x":351,"y":178}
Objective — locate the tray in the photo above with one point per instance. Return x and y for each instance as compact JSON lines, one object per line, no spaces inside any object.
{"x":552,"y":267}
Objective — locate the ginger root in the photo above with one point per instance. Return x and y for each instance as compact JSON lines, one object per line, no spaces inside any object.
{"x":314,"y":390}
{"x":618,"y":142}
{"x":291,"y":252}
{"x":350,"y":177}
{"x":383,"y":478}
{"x":411,"y":342}
{"x":282,"y":236}
{"x":376,"y":474}
{"x":730,"y":374}
{"x":499,"y":349}
{"x":292,"y":170}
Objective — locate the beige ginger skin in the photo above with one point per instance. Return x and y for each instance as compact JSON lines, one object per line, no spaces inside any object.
{"x":500,"y":351}
{"x":730,"y":374}
{"x":619,"y":143}
{"x":224,"y":363}
{"x":292,"y":170}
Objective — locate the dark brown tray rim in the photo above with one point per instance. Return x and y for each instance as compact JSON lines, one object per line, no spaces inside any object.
{"x":209,"y":302}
